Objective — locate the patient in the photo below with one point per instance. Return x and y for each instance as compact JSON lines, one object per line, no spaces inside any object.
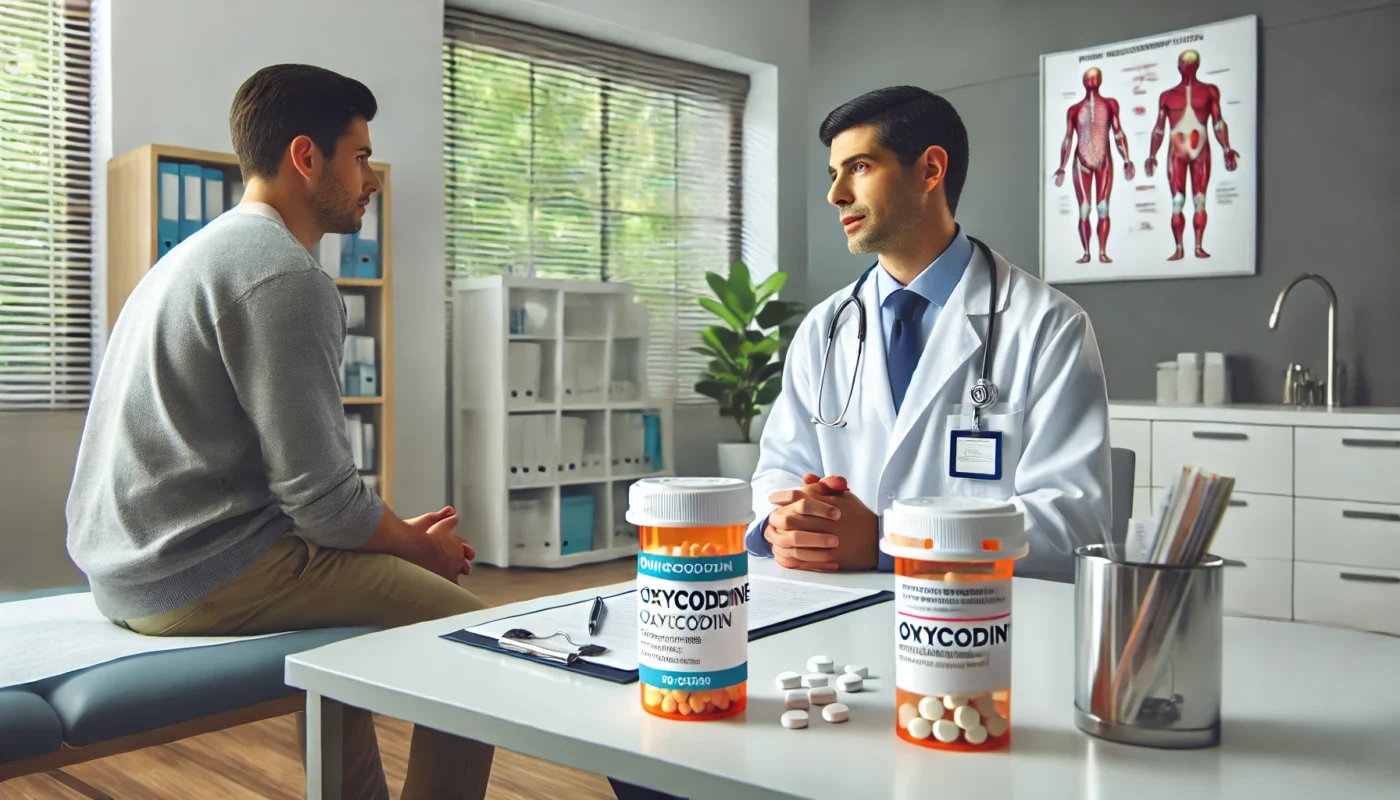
{"x":215,"y":491}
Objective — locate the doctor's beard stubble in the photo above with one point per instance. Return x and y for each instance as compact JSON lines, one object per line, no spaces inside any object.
{"x":883,"y":232}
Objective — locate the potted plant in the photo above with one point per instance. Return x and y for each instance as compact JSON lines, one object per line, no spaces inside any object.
{"x":745,"y":372}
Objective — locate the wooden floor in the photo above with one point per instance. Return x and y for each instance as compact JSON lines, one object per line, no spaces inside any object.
{"x":259,"y":761}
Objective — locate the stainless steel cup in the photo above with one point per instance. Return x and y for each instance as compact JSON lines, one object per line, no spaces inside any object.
{"x":1147,"y":649}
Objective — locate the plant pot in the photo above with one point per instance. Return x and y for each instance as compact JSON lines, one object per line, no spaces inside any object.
{"x":738,"y":460}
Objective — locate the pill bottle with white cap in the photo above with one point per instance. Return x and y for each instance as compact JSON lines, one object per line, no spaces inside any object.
{"x":692,"y":595}
{"x":953,"y":560}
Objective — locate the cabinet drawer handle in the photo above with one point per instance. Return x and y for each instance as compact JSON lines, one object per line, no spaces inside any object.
{"x":1356,"y":576}
{"x":1238,"y":503}
{"x":1383,"y":516}
{"x":1221,"y":435}
{"x":1371,"y":442}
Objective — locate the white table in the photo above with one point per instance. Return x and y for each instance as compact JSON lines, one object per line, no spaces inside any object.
{"x":1307,"y":711}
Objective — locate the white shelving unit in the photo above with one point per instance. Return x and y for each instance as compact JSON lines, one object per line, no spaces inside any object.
{"x":551,"y":361}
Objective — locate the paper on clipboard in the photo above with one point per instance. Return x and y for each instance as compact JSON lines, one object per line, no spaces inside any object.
{"x":772,"y":601}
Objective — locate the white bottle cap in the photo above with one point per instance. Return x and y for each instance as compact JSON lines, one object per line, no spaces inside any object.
{"x":689,"y":502}
{"x":1188,"y":359}
{"x":956,"y":529}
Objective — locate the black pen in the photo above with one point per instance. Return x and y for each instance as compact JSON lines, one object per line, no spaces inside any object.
{"x":595,"y":616}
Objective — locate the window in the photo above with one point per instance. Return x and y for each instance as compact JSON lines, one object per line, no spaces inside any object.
{"x":572,"y":158}
{"x":45,"y":204}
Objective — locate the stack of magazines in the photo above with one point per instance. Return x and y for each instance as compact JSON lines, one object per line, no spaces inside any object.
{"x":1186,"y":520}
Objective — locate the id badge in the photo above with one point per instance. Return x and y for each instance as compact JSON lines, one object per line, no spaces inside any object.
{"x":975,"y":455}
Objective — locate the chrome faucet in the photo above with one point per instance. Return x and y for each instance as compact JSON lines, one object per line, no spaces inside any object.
{"x":1333,"y":393}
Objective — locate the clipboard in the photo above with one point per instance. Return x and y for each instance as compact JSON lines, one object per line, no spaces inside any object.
{"x":624,"y":676}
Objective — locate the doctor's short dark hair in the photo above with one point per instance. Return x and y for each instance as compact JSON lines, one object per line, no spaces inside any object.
{"x":907,"y":120}
{"x":279,"y":103}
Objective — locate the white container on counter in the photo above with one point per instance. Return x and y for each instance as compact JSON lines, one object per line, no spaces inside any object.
{"x":1215,"y":380}
{"x":1188,"y":379}
{"x":1166,"y":383}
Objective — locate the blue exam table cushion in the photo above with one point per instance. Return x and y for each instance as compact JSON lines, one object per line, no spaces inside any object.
{"x":28,"y":726}
{"x":154,"y":690}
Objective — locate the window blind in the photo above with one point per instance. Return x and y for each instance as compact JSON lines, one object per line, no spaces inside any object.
{"x":572,"y":158}
{"x":45,"y":204}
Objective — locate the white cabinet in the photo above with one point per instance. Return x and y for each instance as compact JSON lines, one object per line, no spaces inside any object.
{"x":1348,"y":464}
{"x":1313,"y":530}
{"x":1344,"y":532}
{"x":1356,"y":597}
{"x":1259,"y":587}
{"x":1258,"y":457}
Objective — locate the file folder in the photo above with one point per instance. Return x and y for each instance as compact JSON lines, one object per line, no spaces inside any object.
{"x":367,"y":431}
{"x":213,"y":194}
{"x":367,"y":241}
{"x":515,"y":449}
{"x":191,"y":200}
{"x":168,"y":201}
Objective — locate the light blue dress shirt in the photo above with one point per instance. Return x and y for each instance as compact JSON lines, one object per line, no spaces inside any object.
{"x":935,"y":284}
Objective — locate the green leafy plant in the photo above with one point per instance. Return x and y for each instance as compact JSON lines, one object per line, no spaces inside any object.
{"x":745,"y":373}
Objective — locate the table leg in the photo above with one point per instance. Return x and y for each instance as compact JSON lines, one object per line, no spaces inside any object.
{"x":324,"y":718}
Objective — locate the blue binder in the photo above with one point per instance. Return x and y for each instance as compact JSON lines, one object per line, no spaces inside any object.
{"x":191,"y":200}
{"x":213,"y":194}
{"x":615,"y":675}
{"x":168,"y":206}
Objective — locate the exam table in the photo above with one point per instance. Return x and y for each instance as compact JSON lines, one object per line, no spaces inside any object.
{"x":149,"y":699}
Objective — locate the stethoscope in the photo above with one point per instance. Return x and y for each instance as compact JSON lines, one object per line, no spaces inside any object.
{"x":983,"y":393}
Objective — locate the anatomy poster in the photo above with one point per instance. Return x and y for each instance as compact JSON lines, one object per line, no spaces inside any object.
{"x":1149,"y":156}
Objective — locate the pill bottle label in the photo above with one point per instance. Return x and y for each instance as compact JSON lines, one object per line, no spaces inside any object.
{"x":692,"y":621}
{"x":952,"y":638}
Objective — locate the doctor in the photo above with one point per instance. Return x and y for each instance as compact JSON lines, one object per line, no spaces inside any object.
{"x":1037,"y":432}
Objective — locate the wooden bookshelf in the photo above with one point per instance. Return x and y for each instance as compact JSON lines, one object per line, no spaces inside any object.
{"x":132,"y":248}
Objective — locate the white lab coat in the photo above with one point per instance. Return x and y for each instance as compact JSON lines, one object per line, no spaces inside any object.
{"x":1052,"y":411}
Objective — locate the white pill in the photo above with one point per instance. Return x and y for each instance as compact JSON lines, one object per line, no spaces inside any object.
{"x":995,"y":726}
{"x":821,"y":695}
{"x":945,"y":731}
{"x":850,"y":683}
{"x":984,"y":704}
{"x":789,"y":680}
{"x":856,"y":669}
{"x":794,"y":719}
{"x":813,"y":680}
{"x":836,"y":712}
{"x":796,"y":700}
{"x":931,"y":708}
{"x":821,"y":664}
{"x":952,"y":701}
{"x":920,"y":728}
{"x":907,"y":713}
{"x":975,"y":735}
{"x":967,"y":718}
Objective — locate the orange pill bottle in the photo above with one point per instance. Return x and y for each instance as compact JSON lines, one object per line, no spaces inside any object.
{"x":692,"y":595}
{"x":953,"y":561}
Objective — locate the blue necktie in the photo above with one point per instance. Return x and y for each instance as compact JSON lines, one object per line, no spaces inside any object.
{"x":904,"y":345}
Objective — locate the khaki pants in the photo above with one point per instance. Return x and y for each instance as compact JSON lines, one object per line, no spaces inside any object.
{"x":298,"y":586}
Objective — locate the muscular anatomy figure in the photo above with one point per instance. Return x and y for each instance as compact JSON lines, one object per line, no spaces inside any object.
{"x":1186,"y":108}
{"x":1092,"y":118}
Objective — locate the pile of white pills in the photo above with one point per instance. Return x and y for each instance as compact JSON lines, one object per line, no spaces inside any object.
{"x":804,"y":693}
{"x":972,"y":718}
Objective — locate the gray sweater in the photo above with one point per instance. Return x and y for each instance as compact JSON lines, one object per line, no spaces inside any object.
{"x":216,"y":423}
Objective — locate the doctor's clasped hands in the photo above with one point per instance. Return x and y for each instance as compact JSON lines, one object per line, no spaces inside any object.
{"x":822,"y":527}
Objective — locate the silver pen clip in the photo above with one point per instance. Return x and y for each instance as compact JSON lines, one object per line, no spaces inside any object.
{"x":533,"y":649}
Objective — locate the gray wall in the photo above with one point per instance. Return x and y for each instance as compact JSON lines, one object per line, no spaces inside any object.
{"x":1329,"y":80}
